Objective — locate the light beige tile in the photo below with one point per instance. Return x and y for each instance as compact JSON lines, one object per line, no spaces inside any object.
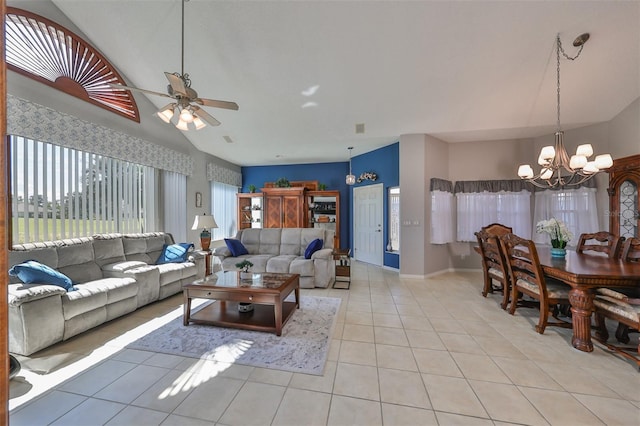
{"x":479,"y":367}
{"x":359,"y":381}
{"x":201,"y":405}
{"x":164,"y":360}
{"x":175,"y":420}
{"x":384,"y":307}
{"x":303,"y":407}
{"x":137,"y":416}
{"x":353,"y":411}
{"x":506,"y":403}
{"x":498,"y":346}
{"x":413,"y":322}
{"x":312,"y":382}
{"x":390,"y":336}
{"x":269,"y":376}
{"x":167,"y":393}
{"x":255,"y":402}
{"x":524,"y":372}
{"x":400,"y":415}
{"x":460,"y":343}
{"x":424,"y":339}
{"x":132,"y":355}
{"x":451,"y":419}
{"x":403,"y":387}
{"x":453,"y":395}
{"x":91,"y":381}
{"x":396,"y":357}
{"x":334,"y":350}
{"x":357,"y":317}
{"x":611,"y":411}
{"x":559,"y":407}
{"x":436,"y":362}
{"x":481,"y":329}
{"x":357,"y":332}
{"x":410,"y":310}
{"x":576,"y":380}
{"x":129,"y":386}
{"x":90,"y":412}
{"x":358,"y":352}
{"x":353,"y":306}
{"x":445,"y":325}
{"x":387,"y":320}
{"x":46,"y":409}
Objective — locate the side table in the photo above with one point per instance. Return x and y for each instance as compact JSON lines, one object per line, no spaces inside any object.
{"x":343,"y":268}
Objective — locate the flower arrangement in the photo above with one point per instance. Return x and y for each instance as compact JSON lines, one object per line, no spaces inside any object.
{"x":557,"y":230}
{"x":367,"y":176}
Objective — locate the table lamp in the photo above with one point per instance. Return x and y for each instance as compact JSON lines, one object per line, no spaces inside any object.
{"x":204,"y":222}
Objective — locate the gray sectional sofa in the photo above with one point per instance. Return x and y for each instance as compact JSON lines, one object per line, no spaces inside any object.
{"x":114,"y":274}
{"x":282,"y":250}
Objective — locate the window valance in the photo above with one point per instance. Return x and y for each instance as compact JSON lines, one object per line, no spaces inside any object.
{"x":443,"y":185}
{"x":510,"y":185}
{"x":218,"y":173}
{"x":34,"y":121}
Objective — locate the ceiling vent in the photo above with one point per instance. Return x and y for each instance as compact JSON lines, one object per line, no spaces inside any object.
{"x":359,"y":128}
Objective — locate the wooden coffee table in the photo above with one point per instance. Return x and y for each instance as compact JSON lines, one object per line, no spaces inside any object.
{"x":266,"y":291}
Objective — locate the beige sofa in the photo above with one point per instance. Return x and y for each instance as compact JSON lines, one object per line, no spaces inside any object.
{"x":282,"y":250}
{"x":114,"y":274}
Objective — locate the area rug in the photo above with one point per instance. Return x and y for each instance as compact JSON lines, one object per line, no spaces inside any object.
{"x":302,"y":348}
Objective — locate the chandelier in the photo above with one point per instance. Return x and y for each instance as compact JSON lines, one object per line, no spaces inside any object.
{"x":351,"y":178}
{"x":557,"y":169}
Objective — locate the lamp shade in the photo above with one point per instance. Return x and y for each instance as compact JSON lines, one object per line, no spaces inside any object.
{"x":204,"y":222}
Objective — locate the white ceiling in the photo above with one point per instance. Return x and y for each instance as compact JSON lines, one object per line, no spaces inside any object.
{"x":461,"y":71}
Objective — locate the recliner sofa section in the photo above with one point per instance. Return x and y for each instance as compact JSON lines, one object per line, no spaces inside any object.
{"x":114,"y":274}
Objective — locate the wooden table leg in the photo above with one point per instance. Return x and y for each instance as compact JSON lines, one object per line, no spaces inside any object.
{"x":277,"y":308}
{"x":187,"y":307}
{"x":581,"y":308}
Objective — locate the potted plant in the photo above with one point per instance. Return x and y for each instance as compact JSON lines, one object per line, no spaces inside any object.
{"x":322,"y":187}
{"x":244,"y":307}
{"x":283,"y":183}
{"x":244,"y":267}
{"x":252,"y":188}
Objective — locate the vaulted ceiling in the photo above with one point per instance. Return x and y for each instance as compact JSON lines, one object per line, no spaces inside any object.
{"x":306,"y":72}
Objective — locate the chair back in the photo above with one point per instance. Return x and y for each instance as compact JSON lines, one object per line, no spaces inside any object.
{"x":523,"y":263}
{"x":497,"y":229}
{"x":631,"y":250}
{"x":492,"y":255}
{"x":601,"y":242}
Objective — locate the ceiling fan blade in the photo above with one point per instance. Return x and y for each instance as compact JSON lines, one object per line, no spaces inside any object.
{"x":177,"y":84}
{"x":217,"y":104}
{"x":205,"y":116}
{"x":150,"y":92}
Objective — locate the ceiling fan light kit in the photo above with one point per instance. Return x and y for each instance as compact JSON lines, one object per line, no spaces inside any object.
{"x":187,"y":100}
{"x":554,"y":160}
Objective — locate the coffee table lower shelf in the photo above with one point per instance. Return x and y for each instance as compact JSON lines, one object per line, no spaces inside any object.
{"x":225,"y":314}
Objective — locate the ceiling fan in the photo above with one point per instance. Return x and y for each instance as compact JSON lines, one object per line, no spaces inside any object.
{"x":186,"y":101}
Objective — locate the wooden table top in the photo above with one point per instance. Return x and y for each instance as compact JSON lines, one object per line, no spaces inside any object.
{"x":587,"y":270}
{"x":257,"y":282}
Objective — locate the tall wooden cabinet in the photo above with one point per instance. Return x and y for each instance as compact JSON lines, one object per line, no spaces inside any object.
{"x":249,"y":210}
{"x":285,"y":207}
{"x":324,"y":212}
{"x":624,"y":202}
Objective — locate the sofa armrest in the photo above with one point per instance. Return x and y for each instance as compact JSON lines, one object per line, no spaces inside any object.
{"x":23,"y":293}
{"x":323,"y":254}
{"x":221,"y":252}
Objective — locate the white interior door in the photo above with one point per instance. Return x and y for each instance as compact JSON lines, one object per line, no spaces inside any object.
{"x":367,"y":224}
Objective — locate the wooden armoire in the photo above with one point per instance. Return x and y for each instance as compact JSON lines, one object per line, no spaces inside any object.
{"x":285,"y":207}
{"x":624,"y":208}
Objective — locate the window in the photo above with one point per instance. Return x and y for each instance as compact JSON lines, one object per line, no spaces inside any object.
{"x":224,"y":210}
{"x":59,"y":192}
{"x":175,"y":209}
{"x":394,"y":219}
{"x":441,"y":211}
{"x":575,"y":207}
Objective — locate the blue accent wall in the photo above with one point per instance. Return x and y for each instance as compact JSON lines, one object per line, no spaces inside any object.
{"x":385,"y":162}
{"x":331,"y":174}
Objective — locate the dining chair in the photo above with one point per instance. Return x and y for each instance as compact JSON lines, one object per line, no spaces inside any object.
{"x":601,"y":242}
{"x":619,"y":307}
{"x":494,"y":266}
{"x":630,"y":252}
{"x":527,"y":278}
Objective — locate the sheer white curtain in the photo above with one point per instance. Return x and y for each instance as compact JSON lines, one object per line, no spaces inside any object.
{"x":224,"y":210}
{"x":478,"y":209}
{"x":575,"y":207}
{"x":442,"y":217}
{"x":175,"y":208}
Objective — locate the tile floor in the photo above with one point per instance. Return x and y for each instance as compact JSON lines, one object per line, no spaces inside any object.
{"x":405,"y":352}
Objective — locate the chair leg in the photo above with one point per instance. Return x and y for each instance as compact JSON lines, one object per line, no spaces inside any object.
{"x":514,"y":300}
{"x":601,"y":328}
{"x":506,"y":290}
{"x":487,"y":284}
{"x":544,"y":315}
{"x":622,"y":333}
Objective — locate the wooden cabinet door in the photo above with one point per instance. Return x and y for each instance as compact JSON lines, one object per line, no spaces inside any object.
{"x":292,"y":211}
{"x":284,"y":207}
{"x":273,"y":211}
{"x":624,"y":204}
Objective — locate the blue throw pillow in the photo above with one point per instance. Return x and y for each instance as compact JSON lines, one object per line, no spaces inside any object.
{"x":235,"y":247}
{"x":35,"y":272}
{"x":174,"y":253}
{"x":313,"y":247}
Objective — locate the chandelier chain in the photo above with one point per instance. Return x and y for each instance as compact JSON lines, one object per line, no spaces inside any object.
{"x":560,"y":49}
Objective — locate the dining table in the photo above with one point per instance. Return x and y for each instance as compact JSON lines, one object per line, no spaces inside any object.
{"x":584,"y":273}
